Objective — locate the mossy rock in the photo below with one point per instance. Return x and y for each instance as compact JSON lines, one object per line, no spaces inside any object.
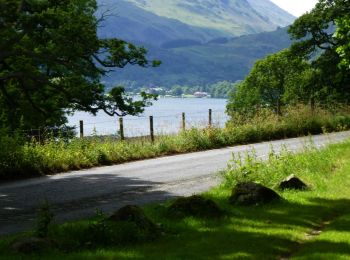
{"x":134,"y":214}
{"x":30,"y":245}
{"x":292,"y":182}
{"x":195,"y":206}
{"x":250,"y":193}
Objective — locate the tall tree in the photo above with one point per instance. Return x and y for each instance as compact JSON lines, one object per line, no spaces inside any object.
{"x":51,"y":62}
{"x":343,"y":36}
{"x":222,"y":89}
{"x":265,"y":84}
{"x":316,"y":41}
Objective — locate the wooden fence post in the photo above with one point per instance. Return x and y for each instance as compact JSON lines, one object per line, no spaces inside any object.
{"x":39,"y":135}
{"x":183,"y":121}
{"x":210,"y":117}
{"x":121,"y":128}
{"x":151,"y":128}
{"x":81,"y":123}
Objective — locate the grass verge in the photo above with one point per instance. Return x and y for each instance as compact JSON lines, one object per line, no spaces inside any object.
{"x":312,"y":224}
{"x":21,"y":160}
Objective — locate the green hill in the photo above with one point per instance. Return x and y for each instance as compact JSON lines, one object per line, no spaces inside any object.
{"x":127,"y":21}
{"x":156,"y":22}
{"x":198,"y":41}
{"x":205,"y":63}
{"x":234,"y":17}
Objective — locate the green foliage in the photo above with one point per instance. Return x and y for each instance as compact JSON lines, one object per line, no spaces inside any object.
{"x":315,"y":29}
{"x":51,"y":61}
{"x":265,"y":86}
{"x":241,"y":168}
{"x":45,"y":217}
{"x":315,"y":37}
{"x":312,"y":166}
{"x":310,"y":72}
{"x":96,"y":233}
{"x":177,"y":90}
{"x":343,"y":36}
{"x":220,"y":89}
{"x":14,"y":161}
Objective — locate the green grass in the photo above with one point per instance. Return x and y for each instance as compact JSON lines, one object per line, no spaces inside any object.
{"x":262,"y":232}
{"x":18,"y":160}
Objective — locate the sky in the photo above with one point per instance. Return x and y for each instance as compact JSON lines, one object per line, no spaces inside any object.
{"x":296,"y":7}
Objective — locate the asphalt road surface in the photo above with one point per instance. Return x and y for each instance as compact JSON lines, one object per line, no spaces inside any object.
{"x":76,"y":195}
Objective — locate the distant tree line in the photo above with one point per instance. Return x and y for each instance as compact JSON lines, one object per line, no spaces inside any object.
{"x":221,"y":89}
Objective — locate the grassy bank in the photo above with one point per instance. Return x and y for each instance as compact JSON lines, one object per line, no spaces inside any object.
{"x":311,"y":224}
{"x":18,"y":160}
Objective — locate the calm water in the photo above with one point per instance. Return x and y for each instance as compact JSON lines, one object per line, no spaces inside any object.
{"x":167,"y":113}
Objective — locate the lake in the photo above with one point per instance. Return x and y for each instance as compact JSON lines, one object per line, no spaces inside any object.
{"x":167,"y":113}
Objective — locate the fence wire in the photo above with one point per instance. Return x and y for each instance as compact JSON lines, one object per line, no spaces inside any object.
{"x":163,"y":124}
{"x":133,"y":126}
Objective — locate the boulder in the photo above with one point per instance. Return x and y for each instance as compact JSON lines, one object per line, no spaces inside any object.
{"x":292,"y":183}
{"x":134,"y":214}
{"x":30,"y":245}
{"x":195,"y":206}
{"x":250,"y":193}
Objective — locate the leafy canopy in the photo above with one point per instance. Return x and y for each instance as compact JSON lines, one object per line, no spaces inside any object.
{"x":315,"y":70}
{"x":343,"y":36}
{"x":328,"y":51}
{"x":265,"y":84}
{"x":51,"y":62}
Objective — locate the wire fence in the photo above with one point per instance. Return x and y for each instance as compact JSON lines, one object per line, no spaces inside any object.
{"x":148,"y":125}
{"x":132,"y":126}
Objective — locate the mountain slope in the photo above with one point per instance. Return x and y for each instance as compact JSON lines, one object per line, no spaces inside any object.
{"x":129,"y":22}
{"x":275,"y":14}
{"x":198,"y":41}
{"x":234,"y":17}
{"x":159,"y":21}
{"x":204,"y":63}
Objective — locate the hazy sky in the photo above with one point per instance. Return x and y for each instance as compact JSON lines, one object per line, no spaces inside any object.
{"x":296,"y":7}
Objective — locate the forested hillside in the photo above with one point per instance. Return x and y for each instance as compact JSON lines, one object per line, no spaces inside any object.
{"x":199,"y":42}
{"x":200,"y":64}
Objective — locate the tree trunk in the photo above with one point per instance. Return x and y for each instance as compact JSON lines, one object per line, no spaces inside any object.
{"x":312,"y":104}
{"x":278,"y":108}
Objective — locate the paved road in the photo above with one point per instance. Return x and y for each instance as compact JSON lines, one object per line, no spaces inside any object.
{"x":78,"y":194}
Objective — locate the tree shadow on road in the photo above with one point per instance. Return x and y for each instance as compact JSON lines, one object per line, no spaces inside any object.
{"x":73,"y":197}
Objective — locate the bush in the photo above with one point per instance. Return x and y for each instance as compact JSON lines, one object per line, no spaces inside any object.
{"x":14,"y":162}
